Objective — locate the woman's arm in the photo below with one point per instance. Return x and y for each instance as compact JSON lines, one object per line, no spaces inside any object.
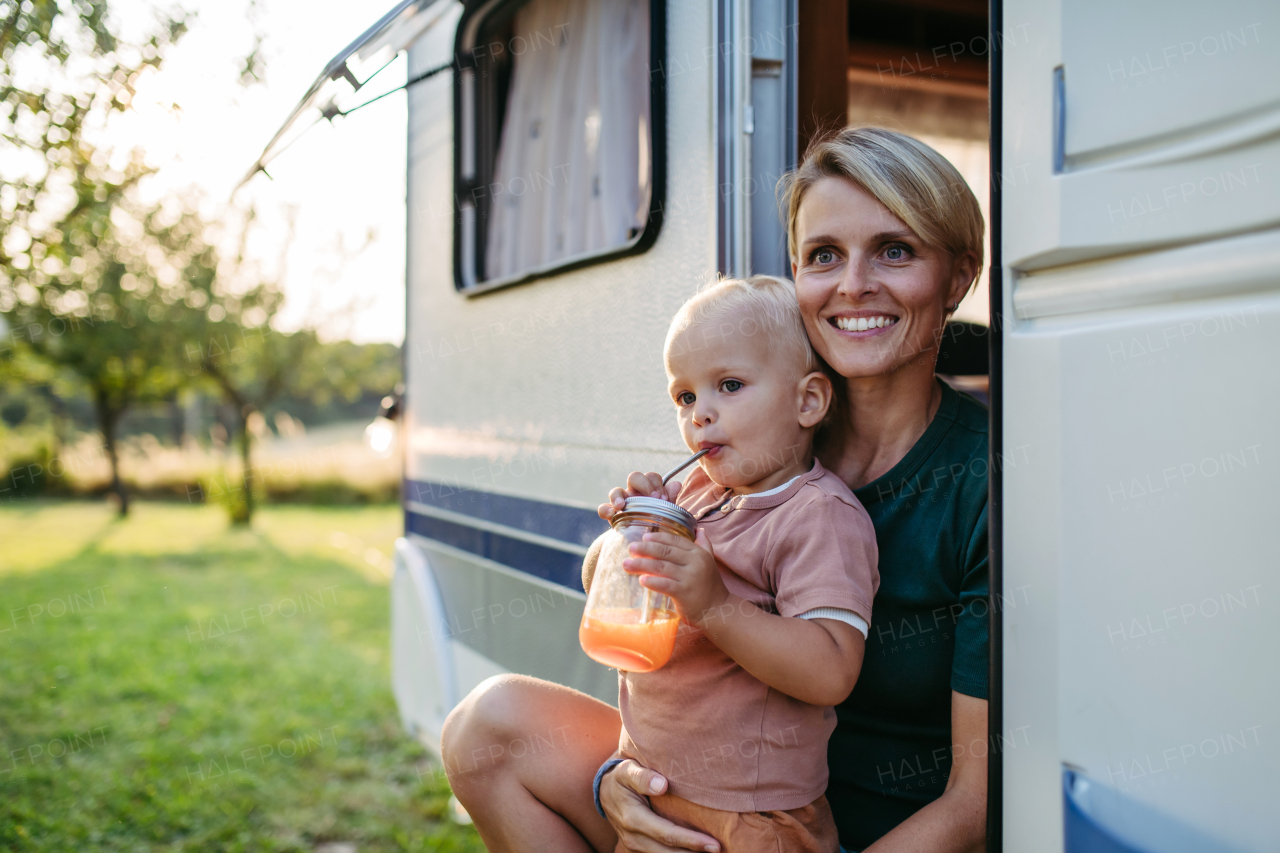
{"x":956,"y":822}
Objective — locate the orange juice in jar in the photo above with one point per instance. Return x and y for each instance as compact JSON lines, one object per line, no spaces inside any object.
{"x":624,"y":625}
{"x":618,"y":638}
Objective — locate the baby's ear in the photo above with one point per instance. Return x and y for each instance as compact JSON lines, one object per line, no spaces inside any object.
{"x":815,"y":398}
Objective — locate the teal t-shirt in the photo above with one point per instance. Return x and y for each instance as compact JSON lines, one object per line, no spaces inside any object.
{"x":890,"y":754}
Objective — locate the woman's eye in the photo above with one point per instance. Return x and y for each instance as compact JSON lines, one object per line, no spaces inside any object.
{"x":897,"y":253}
{"x":685,"y":398}
{"x":730,"y":385}
{"x":824,"y":257}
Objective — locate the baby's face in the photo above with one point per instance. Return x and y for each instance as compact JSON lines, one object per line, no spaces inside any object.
{"x":742,"y":399}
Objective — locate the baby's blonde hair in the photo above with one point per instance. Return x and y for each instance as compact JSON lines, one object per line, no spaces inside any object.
{"x":771,"y":305}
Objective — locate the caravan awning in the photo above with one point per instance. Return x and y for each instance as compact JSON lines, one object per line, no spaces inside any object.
{"x":352,"y":68}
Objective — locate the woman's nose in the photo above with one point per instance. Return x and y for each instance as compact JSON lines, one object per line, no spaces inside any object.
{"x":858,"y":279}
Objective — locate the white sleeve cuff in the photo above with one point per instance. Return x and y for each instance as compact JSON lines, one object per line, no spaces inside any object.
{"x":839,"y":614}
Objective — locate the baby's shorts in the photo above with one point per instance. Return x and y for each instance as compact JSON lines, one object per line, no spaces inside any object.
{"x":808,"y":829}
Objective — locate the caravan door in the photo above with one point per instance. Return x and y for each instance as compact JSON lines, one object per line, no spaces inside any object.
{"x":1137,"y":416}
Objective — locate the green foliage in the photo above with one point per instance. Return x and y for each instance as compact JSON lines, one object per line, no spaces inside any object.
{"x":89,"y":75}
{"x":254,"y":366}
{"x":77,"y":284}
{"x":113,"y":308}
{"x":32,"y":25}
{"x":28,"y":473}
{"x":229,"y":494}
{"x":175,"y":663}
{"x":259,"y":367}
{"x":332,"y":492}
{"x":350,"y":370}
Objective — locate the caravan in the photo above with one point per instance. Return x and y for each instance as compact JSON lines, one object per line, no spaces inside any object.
{"x":1132,"y":304}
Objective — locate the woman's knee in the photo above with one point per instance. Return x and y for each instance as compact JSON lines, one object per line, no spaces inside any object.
{"x":487,"y":715}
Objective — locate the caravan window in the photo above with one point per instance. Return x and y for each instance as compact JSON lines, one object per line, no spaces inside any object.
{"x":555,"y":156}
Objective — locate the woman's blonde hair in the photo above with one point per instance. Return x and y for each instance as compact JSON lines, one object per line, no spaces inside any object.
{"x":917,"y":184}
{"x":772,"y":310}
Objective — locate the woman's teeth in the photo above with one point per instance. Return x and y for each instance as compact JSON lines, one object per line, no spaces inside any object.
{"x":861,"y":324}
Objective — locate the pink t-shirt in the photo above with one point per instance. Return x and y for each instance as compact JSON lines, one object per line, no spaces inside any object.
{"x":723,"y":738}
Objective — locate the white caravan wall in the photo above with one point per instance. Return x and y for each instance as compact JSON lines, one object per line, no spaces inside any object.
{"x":554,"y":389}
{"x":1142,"y":416}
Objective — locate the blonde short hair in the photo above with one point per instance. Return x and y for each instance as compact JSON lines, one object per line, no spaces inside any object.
{"x":917,"y":184}
{"x":772,"y":308}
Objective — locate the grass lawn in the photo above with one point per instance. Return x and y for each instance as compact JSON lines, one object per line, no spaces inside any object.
{"x":169,"y":684}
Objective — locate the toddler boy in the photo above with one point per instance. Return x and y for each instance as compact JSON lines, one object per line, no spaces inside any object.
{"x":775,"y":594}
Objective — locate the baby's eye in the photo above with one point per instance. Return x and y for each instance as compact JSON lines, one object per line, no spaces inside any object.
{"x":685,"y":398}
{"x":730,"y":385}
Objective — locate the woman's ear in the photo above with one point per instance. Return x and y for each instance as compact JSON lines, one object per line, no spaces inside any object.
{"x":964,"y":271}
{"x":815,"y":398}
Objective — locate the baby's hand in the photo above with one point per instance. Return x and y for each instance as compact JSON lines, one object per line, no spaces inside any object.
{"x":684,"y":570}
{"x":638,"y":485}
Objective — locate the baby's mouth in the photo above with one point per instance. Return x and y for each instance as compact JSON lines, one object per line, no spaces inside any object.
{"x":862,"y":324}
{"x":712,"y":449}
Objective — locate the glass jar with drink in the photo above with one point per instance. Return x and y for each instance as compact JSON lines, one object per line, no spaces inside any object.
{"x":625,"y":625}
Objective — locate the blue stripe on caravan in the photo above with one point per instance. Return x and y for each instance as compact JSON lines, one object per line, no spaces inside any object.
{"x":567,"y":523}
{"x":547,"y":563}
{"x":1099,"y":819}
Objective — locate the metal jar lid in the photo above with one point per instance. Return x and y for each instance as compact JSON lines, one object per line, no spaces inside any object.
{"x":641,"y":509}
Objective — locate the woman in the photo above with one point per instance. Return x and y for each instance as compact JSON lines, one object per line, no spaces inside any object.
{"x":885,"y":241}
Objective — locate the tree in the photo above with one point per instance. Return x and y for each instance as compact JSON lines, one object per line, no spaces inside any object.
{"x":79,"y":284}
{"x":255,"y":365}
{"x":116,"y":312}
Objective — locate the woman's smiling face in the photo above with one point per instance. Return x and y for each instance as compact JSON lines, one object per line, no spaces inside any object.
{"x":872,"y":294}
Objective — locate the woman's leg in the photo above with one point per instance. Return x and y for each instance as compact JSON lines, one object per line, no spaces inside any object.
{"x":521,"y":754}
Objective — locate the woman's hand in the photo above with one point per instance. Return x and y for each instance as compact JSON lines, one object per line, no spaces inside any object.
{"x":622,"y":796}
{"x":638,"y":485}
{"x":684,"y":570}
